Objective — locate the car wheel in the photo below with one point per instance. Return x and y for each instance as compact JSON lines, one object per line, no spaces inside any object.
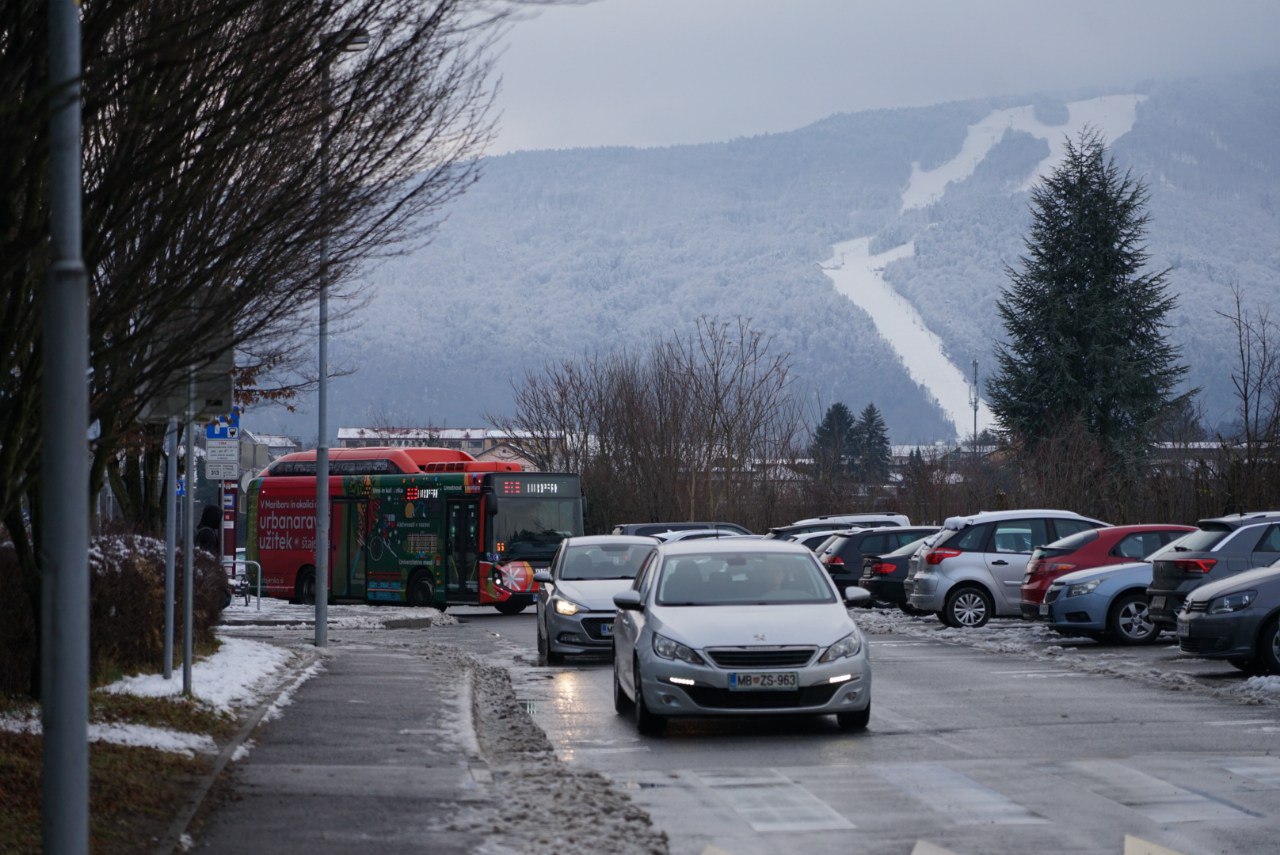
{"x":854,"y":720}
{"x":620,"y":701}
{"x":647,"y":722}
{"x":507,"y":607}
{"x":1128,"y":621}
{"x":546,"y":655}
{"x":422,"y":591}
{"x":1269,"y":646}
{"x":968,"y":607}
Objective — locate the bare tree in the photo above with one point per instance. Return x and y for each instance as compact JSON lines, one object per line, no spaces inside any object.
{"x":1250,"y":450}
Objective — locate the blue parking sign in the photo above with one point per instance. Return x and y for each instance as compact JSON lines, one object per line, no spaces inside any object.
{"x":224,"y":427}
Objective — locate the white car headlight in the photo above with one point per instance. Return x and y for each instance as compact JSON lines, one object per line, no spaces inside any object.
{"x":566,"y":607}
{"x":669,"y":649}
{"x":1231,"y":602}
{"x":1081,"y":588}
{"x":850,"y":645}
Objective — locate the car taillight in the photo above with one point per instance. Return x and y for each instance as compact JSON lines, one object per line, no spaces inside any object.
{"x":1061,"y":568}
{"x":1194,"y":565}
{"x":834,"y":561}
{"x":882,"y":567}
{"x":936,"y":556}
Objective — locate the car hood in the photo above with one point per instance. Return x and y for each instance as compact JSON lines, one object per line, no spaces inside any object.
{"x":1138,"y":570}
{"x":1238,"y":582}
{"x":595,"y":594}
{"x":731,"y":626}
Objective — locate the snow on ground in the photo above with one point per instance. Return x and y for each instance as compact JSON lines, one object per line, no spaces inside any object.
{"x":1112,"y":115}
{"x":239,"y":675}
{"x":860,"y":276}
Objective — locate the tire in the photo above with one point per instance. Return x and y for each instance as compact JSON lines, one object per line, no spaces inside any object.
{"x":854,"y":720}
{"x":968,"y":607}
{"x":306,"y":587}
{"x":1128,"y":621}
{"x":547,"y":656}
{"x":621,"y":703}
{"x":507,"y":607}
{"x":647,"y":722}
{"x":1269,"y":645}
{"x":421,"y":590}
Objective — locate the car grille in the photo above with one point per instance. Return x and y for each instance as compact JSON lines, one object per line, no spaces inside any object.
{"x":592,"y":626}
{"x":761,"y":657}
{"x":1191,"y":644}
{"x":1195,"y":605}
{"x":723,"y":699}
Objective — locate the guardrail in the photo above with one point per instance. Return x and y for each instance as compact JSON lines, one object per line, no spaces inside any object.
{"x":246,"y":562}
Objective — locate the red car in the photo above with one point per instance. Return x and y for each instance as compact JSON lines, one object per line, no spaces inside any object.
{"x":1095,"y":547}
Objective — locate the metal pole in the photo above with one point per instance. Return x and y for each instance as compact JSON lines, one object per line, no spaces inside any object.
{"x":188,"y":540}
{"x":64,"y":539}
{"x":322,"y":442}
{"x":170,"y":538}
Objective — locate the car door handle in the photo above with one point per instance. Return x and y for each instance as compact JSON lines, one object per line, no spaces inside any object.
{"x":1000,"y":562}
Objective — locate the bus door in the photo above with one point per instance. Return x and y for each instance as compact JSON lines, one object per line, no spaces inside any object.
{"x":462,"y":549}
{"x":351,"y":555}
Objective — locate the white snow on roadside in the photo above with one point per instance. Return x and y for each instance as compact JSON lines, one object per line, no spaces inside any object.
{"x":344,"y":616}
{"x":233,"y":677}
{"x":859,"y":276}
{"x":1112,"y":115}
{"x":159,"y":738}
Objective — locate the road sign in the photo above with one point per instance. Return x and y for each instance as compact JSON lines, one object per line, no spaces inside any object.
{"x":222,"y":451}
{"x":221,"y":471}
{"x":224,"y":427}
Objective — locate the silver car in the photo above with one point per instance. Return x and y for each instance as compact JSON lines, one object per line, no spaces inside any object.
{"x":738,"y":627}
{"x":575,"y":605}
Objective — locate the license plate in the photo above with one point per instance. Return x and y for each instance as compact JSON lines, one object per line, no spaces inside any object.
{"x":764,"y":681}
{"x":1184,"y":627}
{"x":606,"y":630}
{"x":1157,"y":603}
{"x":1044,"y":610}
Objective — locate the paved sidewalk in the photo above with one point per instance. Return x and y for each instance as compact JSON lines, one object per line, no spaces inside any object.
{"x":377,"y":751}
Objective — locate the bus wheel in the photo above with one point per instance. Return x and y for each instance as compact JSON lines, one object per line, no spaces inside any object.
{"x":422,"y":591}
{"x":306,"y":593}
{"x":507,"y":607}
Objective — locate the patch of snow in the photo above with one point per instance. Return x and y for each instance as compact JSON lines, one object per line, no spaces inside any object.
{"x":340,"y":616}
{"x":231,"y":678}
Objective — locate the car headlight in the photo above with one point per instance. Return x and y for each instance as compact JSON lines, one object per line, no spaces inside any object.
{"x":669,"y":649}
{"x":850,"y":645}
{"x":566,"y":607}
{"x":1231,"y":602}
{"x":1081,"y":588}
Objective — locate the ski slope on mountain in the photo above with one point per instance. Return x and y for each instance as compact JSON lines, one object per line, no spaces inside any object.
{"x":859,"y":275}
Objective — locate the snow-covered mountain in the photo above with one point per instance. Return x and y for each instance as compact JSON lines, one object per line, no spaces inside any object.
{"x":870,"y":246}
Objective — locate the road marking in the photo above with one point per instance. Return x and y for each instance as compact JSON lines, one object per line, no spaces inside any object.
{"x":769,"y":801}
{"x":1264,"y":770}
{"x":1038,"y":673}
{"x":1152,"y":797}
{"x":963,"y":800}
{"x":1138,"y":846}
{"x":1240,"y":722}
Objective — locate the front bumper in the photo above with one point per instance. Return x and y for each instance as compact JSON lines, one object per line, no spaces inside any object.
{"x":710,"y":694}
{"x":1083,"y":614}
{"x":585,"y":632}
{"x":1225,"y":636}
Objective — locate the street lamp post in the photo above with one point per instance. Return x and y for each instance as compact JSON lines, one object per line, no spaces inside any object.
{"x":349,"y":40}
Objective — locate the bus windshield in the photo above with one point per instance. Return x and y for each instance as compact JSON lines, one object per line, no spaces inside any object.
{"x":530,"y":529}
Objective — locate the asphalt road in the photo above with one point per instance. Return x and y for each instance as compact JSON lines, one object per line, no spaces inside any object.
{"x":969,"y":751}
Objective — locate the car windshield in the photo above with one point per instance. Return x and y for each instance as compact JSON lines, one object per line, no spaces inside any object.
{"x":753,"y":578}
{"x":607,"y":561}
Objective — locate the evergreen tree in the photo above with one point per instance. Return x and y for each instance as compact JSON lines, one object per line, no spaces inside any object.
{"x":832,"y":449}
{"x":1085,"y":325}
{"x":874,"y":454}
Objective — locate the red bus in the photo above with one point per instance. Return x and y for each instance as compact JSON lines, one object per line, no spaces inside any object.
{"x":416,"y":526}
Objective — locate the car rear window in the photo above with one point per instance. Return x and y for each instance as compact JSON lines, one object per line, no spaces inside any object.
{"x":1202,"y":540}
{"x":1071,"y":543}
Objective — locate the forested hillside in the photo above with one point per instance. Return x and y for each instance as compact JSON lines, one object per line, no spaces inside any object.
{"x":558,"y":253}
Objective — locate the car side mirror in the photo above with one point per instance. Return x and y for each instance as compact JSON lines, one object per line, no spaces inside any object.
{"x":630,"y":601}
{"x":855,"y":596}
{"x":543,"y":577}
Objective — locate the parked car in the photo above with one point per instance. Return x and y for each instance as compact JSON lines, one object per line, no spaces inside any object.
{"x":837,"y":521}
{"x":1103,"y":602}
{"x":738,"y":627}
{"x":816,"y":540}
{"x":884,"y":575}
{"x":575,"y":604}
{"x":1222,"y":547}
{"x":1096,"y":547}
{"x":1236,"y":619}
{"x":658,"y":527}
{"x":696,"y":534}
{"x":842,"y":556}
{"x":975,"y":568}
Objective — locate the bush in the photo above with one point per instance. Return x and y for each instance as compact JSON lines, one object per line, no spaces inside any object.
{"x":126,"y":611}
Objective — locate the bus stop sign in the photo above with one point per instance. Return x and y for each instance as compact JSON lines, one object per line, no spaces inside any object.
{"x":224,"y":427}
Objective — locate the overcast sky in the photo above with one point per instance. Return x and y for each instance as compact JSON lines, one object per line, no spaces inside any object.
{"x":661,"y":72}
